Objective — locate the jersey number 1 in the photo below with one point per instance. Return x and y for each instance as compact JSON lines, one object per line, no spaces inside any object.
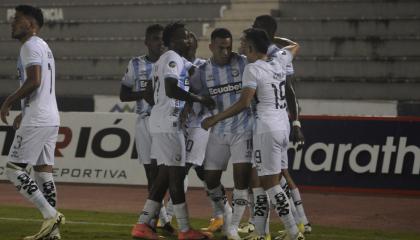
{"x":51,"y":76}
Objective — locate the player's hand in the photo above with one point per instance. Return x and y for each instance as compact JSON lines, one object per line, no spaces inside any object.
{"x":208,"y":102}
{"x":296,"y":136}
{"x":192,"y":70}
{"x":17,"y":121}
{"x":208,"y":122}
{"x":4,"y":112}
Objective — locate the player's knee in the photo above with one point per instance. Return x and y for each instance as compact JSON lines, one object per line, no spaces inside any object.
{"x":199,"y":170}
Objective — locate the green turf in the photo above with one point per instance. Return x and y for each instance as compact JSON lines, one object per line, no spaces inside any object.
{"x":98,"y":225}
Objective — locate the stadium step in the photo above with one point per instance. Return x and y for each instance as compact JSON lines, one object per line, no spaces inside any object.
{"x":348,"y":8}
{"x":327,"y":89}
{"x":347,"y":46}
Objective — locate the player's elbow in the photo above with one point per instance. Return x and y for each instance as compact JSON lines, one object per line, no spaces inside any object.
{"x":35,"y":83}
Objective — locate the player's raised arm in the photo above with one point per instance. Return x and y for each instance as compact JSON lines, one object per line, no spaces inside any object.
{"x":288,"y":44}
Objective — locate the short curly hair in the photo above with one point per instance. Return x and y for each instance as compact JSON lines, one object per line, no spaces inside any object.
{"x":34,"y":12}
{"x":169,"y":31}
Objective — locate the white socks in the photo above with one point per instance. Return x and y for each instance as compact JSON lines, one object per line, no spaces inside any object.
{"x":281,"y":202}
{"x":299,"y":206}
{"x":181,"y":214}
{"x":163,"y":215}
{"x":47,"y":186}
{"x":240,"y":201}
{"x":29,"y":189}
{"x":218,"y":196}
{"x":150,"y":212}
{"x":261,"y":210}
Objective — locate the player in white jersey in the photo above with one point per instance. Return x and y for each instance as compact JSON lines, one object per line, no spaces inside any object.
{"x":268,"y":24}
{"x":136,"y":85}
{"x":231,"y":139}
{"x":171,"y":87}
{"x":37,"y":125}
{"x":195,"y":137}
{"x":264,"y":79}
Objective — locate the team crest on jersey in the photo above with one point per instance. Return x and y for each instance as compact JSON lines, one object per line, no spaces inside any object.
{"x":143,"y":75}
{"x":209,"y":78}
{"x":172,"y":64}
{"x":235,"y":72}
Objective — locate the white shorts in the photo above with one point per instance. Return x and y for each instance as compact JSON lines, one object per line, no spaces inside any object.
{"x":143,"y":140}
{"x":270,"y":152}
{"x":34,"y":145}
{"x":169,"y":148}
{"x":196,"y":144}
{"x":224,"y":147}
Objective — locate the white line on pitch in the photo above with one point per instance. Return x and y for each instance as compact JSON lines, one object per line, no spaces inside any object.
{"x":70,"y":222}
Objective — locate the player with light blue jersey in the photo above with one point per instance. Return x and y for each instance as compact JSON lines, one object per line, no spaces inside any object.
{"x":223,"y":84}
{"x":263,"y":80}
{"x":138,"y":77}
{"x":221,"y":78}
{"x":136,"y":85}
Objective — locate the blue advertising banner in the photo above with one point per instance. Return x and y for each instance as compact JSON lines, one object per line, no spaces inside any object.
{"x":374,"y":153}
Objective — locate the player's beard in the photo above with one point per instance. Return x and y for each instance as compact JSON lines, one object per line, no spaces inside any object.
{"x":19,"y":34}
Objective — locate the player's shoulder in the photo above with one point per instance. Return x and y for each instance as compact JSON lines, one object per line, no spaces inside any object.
{"x":170,"y":54}
{"x":238,"y":57}
{"x":34,"y":43}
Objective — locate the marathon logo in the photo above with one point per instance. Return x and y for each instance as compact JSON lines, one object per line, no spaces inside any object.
{"x":226,"y":88}
{"x":388,"y":158}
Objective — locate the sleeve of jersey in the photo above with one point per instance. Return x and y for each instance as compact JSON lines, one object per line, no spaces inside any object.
{"x":128,"y":78}
{"x":249,"y":78}
{"x":172,"y":67}
{"x":289,"y":66}
{"x":30,"y":55}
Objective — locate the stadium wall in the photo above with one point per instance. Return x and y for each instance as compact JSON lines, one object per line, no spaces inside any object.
{"x":347,"y":153}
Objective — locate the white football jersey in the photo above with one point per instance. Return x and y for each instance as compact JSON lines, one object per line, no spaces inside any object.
{"x":139,"y":73}
{"x":268,"y":78}
{"x":224,"y":84}
{"x":40,"y":107}
{"x":282,"y":55}
{"x":166,"y":111}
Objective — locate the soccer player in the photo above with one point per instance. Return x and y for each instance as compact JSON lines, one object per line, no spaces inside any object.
{"x":196,"y":137}
{"x":171,"y":85}
{"x":136,"y":85}
{"x":37,"y":125}
{"x":269,"y":25}
{"x":221,"y":78}
{"x":264,"y":79}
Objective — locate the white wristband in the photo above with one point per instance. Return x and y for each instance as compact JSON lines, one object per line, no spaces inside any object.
{"x":296,"y":123}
